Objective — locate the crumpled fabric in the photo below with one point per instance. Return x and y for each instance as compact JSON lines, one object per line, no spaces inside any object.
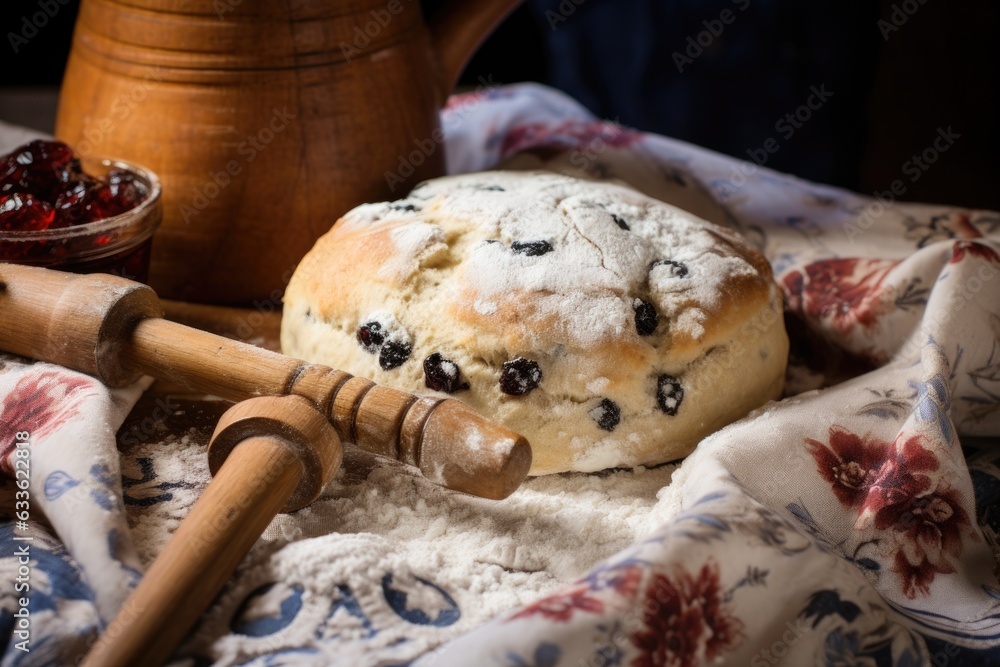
{"x":64,"y":517}
{"x":853,"y":522}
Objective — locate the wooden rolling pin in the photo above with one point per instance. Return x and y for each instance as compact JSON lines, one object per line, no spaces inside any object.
{"x":267,"y":455}
{"x":112,"y":328}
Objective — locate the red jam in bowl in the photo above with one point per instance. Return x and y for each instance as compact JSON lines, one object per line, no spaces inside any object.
{"x":56,"y":213}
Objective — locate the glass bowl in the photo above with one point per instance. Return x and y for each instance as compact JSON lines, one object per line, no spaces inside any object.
{"x":119,"y":245}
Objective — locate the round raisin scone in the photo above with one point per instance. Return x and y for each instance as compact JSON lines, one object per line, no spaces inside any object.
{"x":608,"y":328}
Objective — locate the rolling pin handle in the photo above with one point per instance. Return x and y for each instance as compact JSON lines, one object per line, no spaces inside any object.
{"x":80,"y":322}
{"x":111,"y":328}
{"x":268,"y":454}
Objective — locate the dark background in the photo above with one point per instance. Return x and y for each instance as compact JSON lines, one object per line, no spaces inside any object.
{"x":892,"y":89}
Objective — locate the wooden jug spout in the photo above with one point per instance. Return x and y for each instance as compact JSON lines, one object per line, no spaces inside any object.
{"x":459,"y":29}
{"x":265,"y":121}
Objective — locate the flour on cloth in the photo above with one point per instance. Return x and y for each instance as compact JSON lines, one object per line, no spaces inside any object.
{"x":458,"y":560}
{"x":76,"y":488}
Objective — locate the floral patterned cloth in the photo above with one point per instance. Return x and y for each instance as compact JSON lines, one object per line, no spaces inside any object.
{"x":850,"y":523}
{"x":68,"y":477}
{"x":854,"y":522}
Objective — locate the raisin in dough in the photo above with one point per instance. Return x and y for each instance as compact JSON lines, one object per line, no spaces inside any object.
{"x":609,"y":328}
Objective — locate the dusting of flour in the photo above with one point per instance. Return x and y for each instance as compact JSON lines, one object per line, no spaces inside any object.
{"x":599,"y":289}
{"x":603,"y":244}
{"x":381,"y":529}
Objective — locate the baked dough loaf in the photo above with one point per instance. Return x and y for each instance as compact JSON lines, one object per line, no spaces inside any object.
{"x":609,"y":328}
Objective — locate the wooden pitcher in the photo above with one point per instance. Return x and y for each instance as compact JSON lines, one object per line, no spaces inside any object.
{"x":265,"y":120}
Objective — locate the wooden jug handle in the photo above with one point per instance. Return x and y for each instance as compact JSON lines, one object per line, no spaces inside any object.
{"x":459,"y":29}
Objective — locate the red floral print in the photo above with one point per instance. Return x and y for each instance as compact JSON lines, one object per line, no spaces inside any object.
{"x":892,"y":488}
{"x":685,"y":620}
{"x":39,"y":404}
{"x":850,"y":464}
{"x":930,"y":532}
{"x":568,"y":135}
{"x":901,"y":478}
{"x":843,"y":292}
{"x":963,"y":249}
{"x":926,"y":517}
{"x":561,"y":607}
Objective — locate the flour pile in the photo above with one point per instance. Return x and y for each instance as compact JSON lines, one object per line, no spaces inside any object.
{"x":391,"y":564}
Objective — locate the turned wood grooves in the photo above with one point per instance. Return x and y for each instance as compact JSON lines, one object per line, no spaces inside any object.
{"x":265,"y":121}
{"x":109,"y":327}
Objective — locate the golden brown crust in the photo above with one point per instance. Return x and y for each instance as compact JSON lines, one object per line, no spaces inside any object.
{"x":450,"y":274}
